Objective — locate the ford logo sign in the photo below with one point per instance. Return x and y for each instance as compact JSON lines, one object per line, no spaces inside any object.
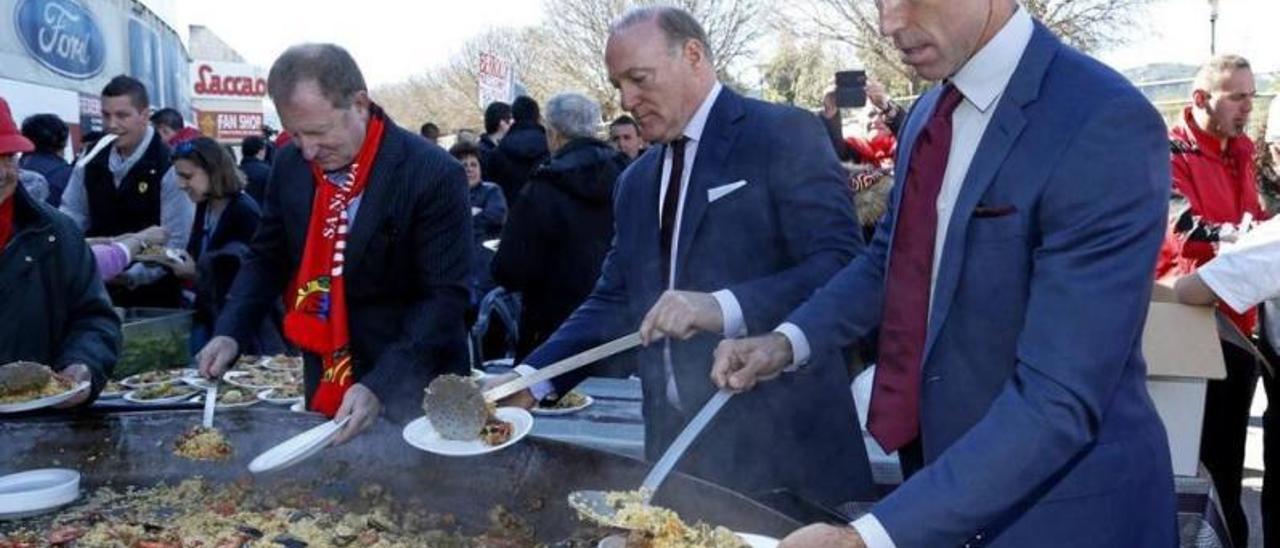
{"x":62,"y":35}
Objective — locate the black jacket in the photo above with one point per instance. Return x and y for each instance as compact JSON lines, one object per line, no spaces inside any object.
{"x":55,"y":170}
{"x":256,"y":174}
{"x":219,"y":260}
{"x":524,"y":147}
{"x":557,"y":236}
{"x":55,"y":311}
{"x":407,"y":264}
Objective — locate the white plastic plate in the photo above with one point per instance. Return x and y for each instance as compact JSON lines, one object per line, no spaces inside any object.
{"x":47,"y":401}
{"x":34,"y":492}
{"x":297,"y":448}
{"x":422,"y":435}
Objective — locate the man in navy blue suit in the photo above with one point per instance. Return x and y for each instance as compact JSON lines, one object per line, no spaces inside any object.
{"x":733,"y":218}
{"x":1010,"y":282}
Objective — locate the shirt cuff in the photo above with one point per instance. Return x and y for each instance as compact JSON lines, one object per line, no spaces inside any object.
{"x":541,"y":390}
{"x":799,"y":345}
{"x":128,"y":257}
{"x":872,"y":532}
{"x":731,"y":311}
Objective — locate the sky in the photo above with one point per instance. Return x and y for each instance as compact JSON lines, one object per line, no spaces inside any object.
{"x":393,"y":40}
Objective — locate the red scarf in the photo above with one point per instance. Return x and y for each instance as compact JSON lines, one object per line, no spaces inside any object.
{"x":316,"y":320}
{"x":6,"y":220}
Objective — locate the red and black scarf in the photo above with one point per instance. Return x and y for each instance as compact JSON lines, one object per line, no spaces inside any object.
{"x":316,"y":302}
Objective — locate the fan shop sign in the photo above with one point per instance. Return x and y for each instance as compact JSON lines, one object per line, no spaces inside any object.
{"x":229,"y":125}
{"x":62,"y":35}
{"x":227,"y":80}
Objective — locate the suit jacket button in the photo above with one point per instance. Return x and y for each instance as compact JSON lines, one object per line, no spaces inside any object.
{"x":53,"y":238}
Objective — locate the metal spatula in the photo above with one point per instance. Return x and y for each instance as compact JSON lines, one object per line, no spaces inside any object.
{"x":595,"y":504}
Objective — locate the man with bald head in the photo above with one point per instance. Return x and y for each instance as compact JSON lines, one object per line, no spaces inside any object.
{"x":733,"y":216}
{"x":1009,"y":281}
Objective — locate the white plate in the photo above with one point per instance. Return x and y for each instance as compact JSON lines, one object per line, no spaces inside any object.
{"x":297,"y":448}
{"x":268,"y":396}
{"x":34,"y":492}
{"x":233,"y":378}
{"x":197,"y":382}
{"x":754,"y":541}
{"x":132,"y":380}
{"x":132,"y":397}
{"x":553,"y":411}
{"x":299,"y":407}
{"x":758,"y":541}
{"x":422,"y":435}
{"x":45,"y":401}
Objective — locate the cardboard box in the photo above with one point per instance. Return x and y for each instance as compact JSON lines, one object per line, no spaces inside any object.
{"x":1182,"y":349}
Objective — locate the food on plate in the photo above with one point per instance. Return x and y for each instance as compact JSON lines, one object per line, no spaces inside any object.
{"x":22,"y":382}
{"x":286,"y":392}
{"x":197,"y":512}
{"x":200,"y":443}
{"x":572,"y":400}
{"x":158,"y":376}
{"x":233,"y":396}
{"x":657,"y":527}
{"x":113,"y":388}
{"x":282,"y":362}
{"x":496,"y":431}
{"x":162,"y":392}
{"x":261,"y":378}
{"x":456,"y":407}
{"x":248,"y":359}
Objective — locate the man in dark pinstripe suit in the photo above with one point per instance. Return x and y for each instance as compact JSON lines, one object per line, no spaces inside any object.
{"x":365,"y":232}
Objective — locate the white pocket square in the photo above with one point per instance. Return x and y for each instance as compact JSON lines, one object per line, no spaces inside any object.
{"x":724,"y":190}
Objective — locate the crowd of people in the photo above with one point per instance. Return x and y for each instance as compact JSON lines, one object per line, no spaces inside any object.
{"x":991,"y":249}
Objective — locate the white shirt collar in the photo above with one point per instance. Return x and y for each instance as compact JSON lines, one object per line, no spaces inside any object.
{"x":699,"y":121}
{"x":984,"y":77}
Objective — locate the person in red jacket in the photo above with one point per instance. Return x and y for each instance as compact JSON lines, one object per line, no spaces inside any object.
{"x":1214,"y":199}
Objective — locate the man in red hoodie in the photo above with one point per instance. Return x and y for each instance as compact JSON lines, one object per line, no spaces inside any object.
{"x":1215,"y":198}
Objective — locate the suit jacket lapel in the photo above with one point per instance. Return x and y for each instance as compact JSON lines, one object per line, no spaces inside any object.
{"x":717,"y":141}
{"x":373,"y":201}
{"x":643,"y":185}
{"x":999,"y":138}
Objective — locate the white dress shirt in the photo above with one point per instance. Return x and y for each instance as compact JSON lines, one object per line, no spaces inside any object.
{"x":730,"y":309}
{"x":1247,"y":272}
{"x":982,"y":80}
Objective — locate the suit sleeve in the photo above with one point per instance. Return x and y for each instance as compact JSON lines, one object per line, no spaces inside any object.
{"x":815,"y":210}
{"x":1101,"y":220}
{"x":262,"y":278}
{"x":434,"y":329}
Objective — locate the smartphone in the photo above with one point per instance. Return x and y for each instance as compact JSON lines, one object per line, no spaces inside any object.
{"x":851,"y":88}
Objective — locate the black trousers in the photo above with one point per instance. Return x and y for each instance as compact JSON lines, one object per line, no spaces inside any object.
{"x":1270,"y":445}
{"x":1222,"y":443}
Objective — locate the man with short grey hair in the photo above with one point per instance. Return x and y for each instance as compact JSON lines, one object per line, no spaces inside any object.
{"x":560,"y":227}
{"x":371,"y":223}
{"x":738,"y":215}
{"x":572,"y":116}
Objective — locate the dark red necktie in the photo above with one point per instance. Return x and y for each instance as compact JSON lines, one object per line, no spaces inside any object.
{"x":894,"y":419}
{"x":670,"y":206}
